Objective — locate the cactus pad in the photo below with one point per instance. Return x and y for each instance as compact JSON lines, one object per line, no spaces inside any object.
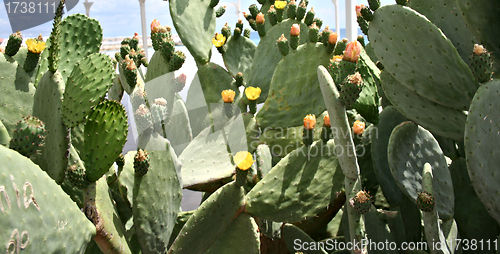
{"x":442,"y":76}
{"x":105,"y":134}
{"x":28,"y":136}
{"x":87,"y":85}
{"x":29,"y":215}
{"x":239,"y":55}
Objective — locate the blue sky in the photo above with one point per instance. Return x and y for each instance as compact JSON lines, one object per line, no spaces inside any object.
{"x":123,"y":17}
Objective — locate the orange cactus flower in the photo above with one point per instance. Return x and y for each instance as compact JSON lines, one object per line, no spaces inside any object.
{"x":309,"y":122}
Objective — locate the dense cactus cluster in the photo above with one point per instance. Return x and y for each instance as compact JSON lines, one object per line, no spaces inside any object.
{"x":305,"y":136}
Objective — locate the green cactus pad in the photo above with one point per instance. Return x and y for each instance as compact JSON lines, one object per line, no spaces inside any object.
{"x":87,"y":85}
{"x":4,"y":135}
{"x":294,"y":89}
{"x":205,"y":160}
{"x":205,"y":93}
{"x":292,"y":233}
{"x":157,"y":67}
{"x":267,"y":56}
{"x":28,"y":137}
{"x":443,"y":13}
{"x":17,"y":92}
{"x":29,"y":215}
{"x":472,"y":218}
{"x":275,"y":196}
{"x":177,"y":128}
{"x":481,"y":138}
{"x":105,"y":134}
{"x":410,"y":147}
{"x":442,"y":76}
{"x":389,"y":118}
{"x":194,"y":21}
{"x":239,"y":55}
{"x":80,"y":36}
{"x":100,"y":210}
{"x":156,"y":197}
{"x":241,"y":237}
{"x":481,"y":17}
{"x":441,"y":120}
{"x":210,"y":221}
{"x":47,"y":107}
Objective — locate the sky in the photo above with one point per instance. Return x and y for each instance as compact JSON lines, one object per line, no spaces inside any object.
{"x":123,"y":17}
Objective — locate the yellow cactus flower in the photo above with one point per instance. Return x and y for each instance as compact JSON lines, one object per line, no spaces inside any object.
{"x":35,"y":46}
{"x":252,"y":93}
{"x":309,"y":122}
{"x":280,"y":4}
{"x":358,"y":127}
{"x":228,"y":95}
{"x":243,"y":160}
{"x":219,"y":40}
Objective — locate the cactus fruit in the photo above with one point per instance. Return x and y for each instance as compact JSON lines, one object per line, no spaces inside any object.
{"x":167,"y":47}
{"x":28,"y":136}
{"x":292,"y":9}
{"x":142,"y":117}
{"x":35,"y":48}
{"x":158,"y":33}
{"x":239,"y":79}
{"x":158,"y":111}
{"x":294,"y":36}
{"x":177,"y":60}
{"x":361,"y":40}
{"x":246,"y":33}
{"x":14,"y":43}
{"x":261,"y":26}
{"x":130,"y":69}
{"x":363,"y":24}
{"x":280,"y":9}
{"x":213,"y":3}
{"x":350,"y":89}
{"x":283,"y":45}
{"x":254,"y":10}
{"x":309,"y":17}
{"x":141,"y":162}
{"x":124,"y":50}
{"x":361,"y":202}
{"x":425,"y":201}
{"x":366,"y":13}
{"x":308,"y":132}
{"x":120,"y":161}
{"x":237,"y":32}
{"x":226,"y":31}
{"x":54,"y":39}
{"x":76,"y":176}
{"x":402,"y":2}
{"x":134,"y":42}
{"x":480,"y":64}
{"x":314,"y":33}
{"x":271,"y":14}
{"x":374,"y":4}
{"x":325,"y":35}
{"x":318,"y":22}
{"x":326,"y":131}
{"x":219,"y":12}
{"x":301,"y":11}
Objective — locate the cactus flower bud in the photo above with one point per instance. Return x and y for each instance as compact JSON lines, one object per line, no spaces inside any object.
{"x":136,"y":36}
{"x":218,"y":40}
{"x":253,"y":93}
{"x":35,"y":46}
{"x":243,"y":160}
{"x":155,"y":26}
{"x":332,"y":38}
{"x":228,"y":96}
{"x":358,"y":127}
{"x":161,"y":101}
{"x":478,"y":49}
{"x":295,"y":30}
{"x":2,"y":50}
{"x":352,"y":51}
{"x":358,"y":9}
{"x":326,"y":120}
{"x":280,"y":4}
{"x":309,"y":122}
{"x":260,"y":18}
